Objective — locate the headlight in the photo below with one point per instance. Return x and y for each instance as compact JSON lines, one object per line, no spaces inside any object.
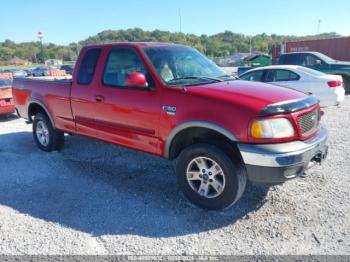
{"x":272,"y":128}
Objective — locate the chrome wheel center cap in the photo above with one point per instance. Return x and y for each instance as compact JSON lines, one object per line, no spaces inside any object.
{"x":206,"y":177}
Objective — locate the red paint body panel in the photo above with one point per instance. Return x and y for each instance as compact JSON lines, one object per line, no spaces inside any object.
{"x":228,"y":104}
{"x":55,"y":95}
{"x":7,"y":110}
{"x":82,"y":103}
{"x":6,"y":102}
{"x":133,"y":117}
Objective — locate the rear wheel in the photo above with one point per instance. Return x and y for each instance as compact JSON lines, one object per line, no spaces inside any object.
{"x":209,"y":177}
{"x":346,"y":85}
{"x":45,"y":136}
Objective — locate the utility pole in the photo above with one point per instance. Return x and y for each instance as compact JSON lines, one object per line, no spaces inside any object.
{"x":250,"y":45}
{"x":318,"y":26}
{"x":180,"y":20}
{"x":77,"y":49}
{"x":40,"y":37}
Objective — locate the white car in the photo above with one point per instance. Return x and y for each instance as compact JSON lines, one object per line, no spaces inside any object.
{"x":329,"y":89}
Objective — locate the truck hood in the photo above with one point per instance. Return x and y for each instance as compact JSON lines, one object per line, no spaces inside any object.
{"x":344,"y":63}
{"x":253,"y":95}
{"x":341,"y":65}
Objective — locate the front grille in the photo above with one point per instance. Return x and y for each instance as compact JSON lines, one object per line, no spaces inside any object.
{"x":308,"y":122}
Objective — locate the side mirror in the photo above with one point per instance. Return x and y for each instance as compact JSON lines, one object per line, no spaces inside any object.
{"x":136,"y":79}
{"x":318,"y":62}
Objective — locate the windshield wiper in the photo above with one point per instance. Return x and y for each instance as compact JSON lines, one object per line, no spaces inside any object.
{"x":198,"y":77}
{"x":233,"y":77}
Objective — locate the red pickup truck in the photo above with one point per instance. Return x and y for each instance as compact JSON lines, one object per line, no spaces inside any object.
{"x":171,"y":101}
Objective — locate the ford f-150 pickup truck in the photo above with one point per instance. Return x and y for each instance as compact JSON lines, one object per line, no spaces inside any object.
{"x":171,"y":101}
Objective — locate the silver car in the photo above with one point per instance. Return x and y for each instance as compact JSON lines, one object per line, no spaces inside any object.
{"x":41,"y":71}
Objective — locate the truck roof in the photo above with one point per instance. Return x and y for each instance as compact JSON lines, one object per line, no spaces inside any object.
{"x":137,"y":44}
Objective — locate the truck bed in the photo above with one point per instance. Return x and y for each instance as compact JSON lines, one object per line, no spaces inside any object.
{"x":51,"y":92}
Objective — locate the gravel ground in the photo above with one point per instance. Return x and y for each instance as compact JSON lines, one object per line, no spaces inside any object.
{"x":95,"y":198}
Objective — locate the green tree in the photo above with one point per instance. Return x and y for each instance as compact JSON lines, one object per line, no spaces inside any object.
{"x":217,"y":45}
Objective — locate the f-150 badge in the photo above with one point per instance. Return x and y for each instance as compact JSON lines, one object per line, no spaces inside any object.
{"x":170,"y":110}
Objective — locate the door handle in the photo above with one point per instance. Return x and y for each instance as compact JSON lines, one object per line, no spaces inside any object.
{"x":99,"y":98}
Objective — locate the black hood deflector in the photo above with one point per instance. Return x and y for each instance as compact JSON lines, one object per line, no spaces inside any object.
{"x":289,"y":106}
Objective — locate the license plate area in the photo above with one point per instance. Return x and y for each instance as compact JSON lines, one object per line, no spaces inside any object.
{"x":6,"y":102}
{"x":318,"y":158}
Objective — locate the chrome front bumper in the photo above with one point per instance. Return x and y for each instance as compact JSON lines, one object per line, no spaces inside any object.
{"x":276,"y":163}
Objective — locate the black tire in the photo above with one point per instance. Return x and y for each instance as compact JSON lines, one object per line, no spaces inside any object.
{"x":55,"y":138}
{"x":346,"y":85}
{"x":234,"y":174}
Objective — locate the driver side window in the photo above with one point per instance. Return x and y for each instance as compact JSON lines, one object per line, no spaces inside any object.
{"x":309,"y":60}
{"x":122,"y":61}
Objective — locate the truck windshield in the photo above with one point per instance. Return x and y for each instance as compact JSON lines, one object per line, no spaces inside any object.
{"x":180,"y":65}
{"x":325,"y":58}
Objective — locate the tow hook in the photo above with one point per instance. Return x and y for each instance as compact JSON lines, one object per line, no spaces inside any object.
{"x":317,"y":159}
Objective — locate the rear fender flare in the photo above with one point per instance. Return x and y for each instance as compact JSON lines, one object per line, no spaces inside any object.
{"x":37,"y":102}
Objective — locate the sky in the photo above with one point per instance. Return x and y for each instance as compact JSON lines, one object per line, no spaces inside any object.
{"x":67,"y":21}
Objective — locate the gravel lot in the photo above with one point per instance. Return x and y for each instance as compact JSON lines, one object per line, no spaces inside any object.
{"x":94,"y":198}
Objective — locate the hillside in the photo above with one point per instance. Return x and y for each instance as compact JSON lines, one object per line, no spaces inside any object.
{"x":218,"y":45}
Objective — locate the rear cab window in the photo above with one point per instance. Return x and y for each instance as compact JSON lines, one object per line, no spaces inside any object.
{"x":88,"y":66}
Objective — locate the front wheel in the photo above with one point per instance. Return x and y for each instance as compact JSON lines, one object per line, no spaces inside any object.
{"x":45,"y":136}
{"x":209,"y":177}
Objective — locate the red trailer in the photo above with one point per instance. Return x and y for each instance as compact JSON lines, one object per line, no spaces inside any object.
{"x":336,"y":48}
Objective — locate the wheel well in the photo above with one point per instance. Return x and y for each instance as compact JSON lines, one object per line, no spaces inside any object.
{"x":196,"y":135}
{"x":346,"y":79}
{"x":35,"y":108}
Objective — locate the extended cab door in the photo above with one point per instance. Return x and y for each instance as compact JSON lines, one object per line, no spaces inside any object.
{"x":83,"y":92}
{"x":125,"y":115}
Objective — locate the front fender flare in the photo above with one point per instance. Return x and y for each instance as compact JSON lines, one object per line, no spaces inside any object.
{"x":190,"y":124}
